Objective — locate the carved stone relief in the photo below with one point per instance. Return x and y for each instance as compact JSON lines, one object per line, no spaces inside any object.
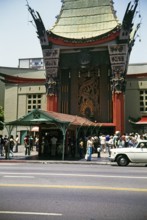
{"x":88,"y":94}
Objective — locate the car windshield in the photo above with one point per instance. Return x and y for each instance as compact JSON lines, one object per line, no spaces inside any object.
{"x":136,"y":145}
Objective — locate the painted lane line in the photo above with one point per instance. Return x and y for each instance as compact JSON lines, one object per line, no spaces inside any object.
{"x":76,"y":187}
{"x":30,"y":213}
{"x":75,"y":175}
{"x":8,"y":164}
{"x":30,"y":177}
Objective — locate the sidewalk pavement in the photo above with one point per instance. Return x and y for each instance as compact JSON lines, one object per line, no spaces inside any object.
{"x":20,"y":157}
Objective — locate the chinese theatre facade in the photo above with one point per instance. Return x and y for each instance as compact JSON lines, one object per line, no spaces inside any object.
{"x":86,"y":56}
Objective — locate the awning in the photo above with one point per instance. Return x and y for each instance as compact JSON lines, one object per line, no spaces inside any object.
{"x":36,"y":129}
{"x":38,"y":117}
{"x":142,"y":121}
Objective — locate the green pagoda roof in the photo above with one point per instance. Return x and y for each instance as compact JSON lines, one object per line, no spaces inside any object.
{"x":83,"y":19}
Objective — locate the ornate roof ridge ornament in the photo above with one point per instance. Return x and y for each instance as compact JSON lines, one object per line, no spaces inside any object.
{"x":120,"y":52}
{"x":41,"y":31}
{"x":127,"y":23}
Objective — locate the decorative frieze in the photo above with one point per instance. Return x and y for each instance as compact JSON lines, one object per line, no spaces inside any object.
{"x":51,"y":61}
{"x":115,"y":59}
{"x":119,"y":60}
{"x":118,"y":49}
{"x":51,"y":53}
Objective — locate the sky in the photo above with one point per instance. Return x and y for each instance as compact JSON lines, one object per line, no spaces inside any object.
{"x":18,"y":38}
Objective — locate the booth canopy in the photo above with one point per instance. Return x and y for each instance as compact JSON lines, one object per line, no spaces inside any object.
{"x":38,"y":117}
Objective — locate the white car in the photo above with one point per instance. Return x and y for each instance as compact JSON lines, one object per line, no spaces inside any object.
{"x":124,"y":156}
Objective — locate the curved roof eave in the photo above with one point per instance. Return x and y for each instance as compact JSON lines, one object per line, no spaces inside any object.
{"x":84,"y":35}
{"x":109,"y":36}
{"x":19,"y":80}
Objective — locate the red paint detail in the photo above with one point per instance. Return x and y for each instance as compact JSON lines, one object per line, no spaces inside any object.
{"x":16,"y":79}
{"x":52,"y":103}
{"x":68,"y":42}
{"x":138,"y":75}
{"x":118,"y":111}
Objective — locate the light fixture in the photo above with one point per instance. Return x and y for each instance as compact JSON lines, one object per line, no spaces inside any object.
{"x":98,"y":72}
{"x":109,"y":72}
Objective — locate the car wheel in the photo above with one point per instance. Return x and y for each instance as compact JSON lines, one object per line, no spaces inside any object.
{"x":122,"y":160}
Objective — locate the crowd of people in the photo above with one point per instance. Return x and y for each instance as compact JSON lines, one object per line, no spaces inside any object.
{"x":104,"y":143}
{"x":87,"y":146}
{"x":29,"y":143}
{"x":7,"y":145}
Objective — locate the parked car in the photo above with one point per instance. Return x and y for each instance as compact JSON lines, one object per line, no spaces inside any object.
{"x":124,"y":156}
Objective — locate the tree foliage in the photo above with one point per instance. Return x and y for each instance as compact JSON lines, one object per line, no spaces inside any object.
{"x":1,"y":118}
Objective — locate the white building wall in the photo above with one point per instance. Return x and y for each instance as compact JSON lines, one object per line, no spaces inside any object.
{"x":22,"y":105}
{"x":2,"y":93}
{"x":24,"y":91}
{"x":10,"y":103}
{"x":16,"y":103}
{"x":132,"y":100}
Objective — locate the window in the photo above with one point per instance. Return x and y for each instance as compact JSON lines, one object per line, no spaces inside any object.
{"x":33,"y":102}
{"x":143,"y":145}
{"x":143,"y":102}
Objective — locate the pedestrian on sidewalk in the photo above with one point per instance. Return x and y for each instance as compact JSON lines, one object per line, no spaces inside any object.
{"x":81,"y":147}
{"x":16,"y":143}
{"x":90,"y":146}
{"x":1,"y":145}
{"x":110,"y":145}
{"x":31,"y":142}
{"x":27,"y":145}
{"x":7,"y":149}
{"x":11,"y":145}
{"x":37,"y":142}
{"x":103,"y":142}
{"x":98,"y":147}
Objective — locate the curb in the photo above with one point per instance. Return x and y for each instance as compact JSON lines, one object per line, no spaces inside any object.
{"x":21,"y":158}
{"x":56,"y":162}
{"x":83,"y":162}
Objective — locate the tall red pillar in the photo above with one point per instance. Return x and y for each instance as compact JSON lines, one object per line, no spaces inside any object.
{"x":118,"y":111}
{"x":52,"y":103}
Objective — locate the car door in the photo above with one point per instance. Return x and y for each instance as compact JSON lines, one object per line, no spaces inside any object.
{"x":140,"y":153}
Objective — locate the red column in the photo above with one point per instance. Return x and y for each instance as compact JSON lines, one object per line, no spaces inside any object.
{"x":52,"y":103}
{"x":118,"y":111}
